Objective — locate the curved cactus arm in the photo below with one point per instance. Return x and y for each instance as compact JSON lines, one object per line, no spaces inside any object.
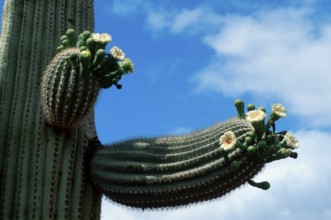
{"x":179,"y":170}
{"x":173,"y":171}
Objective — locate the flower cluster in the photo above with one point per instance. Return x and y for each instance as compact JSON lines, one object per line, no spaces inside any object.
{"x":262,"y":139}
{"x":263,"y":144}
{"x":266,"y":141}
{"x":107,"y":68}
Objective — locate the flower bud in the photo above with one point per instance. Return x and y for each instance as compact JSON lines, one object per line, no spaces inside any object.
{"x":99,"y":56}
{"x":91,"y":44}
{"x":240,"y":105}
{"x":251,"y":150}
{"x":250,"y":107}
{"x":283,"y":153}
{"x":262,"y":145}
{"x":126,"y":65}
{"x":248,"y":140}
{"x":71,"y":34}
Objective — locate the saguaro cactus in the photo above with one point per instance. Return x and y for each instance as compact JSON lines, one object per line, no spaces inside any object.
{"x":52,"y":165}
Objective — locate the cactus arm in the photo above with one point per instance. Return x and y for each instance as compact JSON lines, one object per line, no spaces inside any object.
{"x":173,"y":171}
{"x":179,"y":170}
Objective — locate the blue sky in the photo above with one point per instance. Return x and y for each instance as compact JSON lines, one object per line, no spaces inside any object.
{"x":193,"y":59}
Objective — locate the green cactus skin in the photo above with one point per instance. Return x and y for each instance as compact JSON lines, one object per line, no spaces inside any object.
{"x":42,"y":172}
{"x":173,"y":171}
{"x":67,"y":94}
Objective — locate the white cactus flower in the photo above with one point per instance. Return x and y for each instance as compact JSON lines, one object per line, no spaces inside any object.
{"x":291,"y":140}
{"x":255,"y":115}
{"x":279,"y":110}
{"x":228,"y":140}
{"x":101,"y":38}
{"x":117,"y":53}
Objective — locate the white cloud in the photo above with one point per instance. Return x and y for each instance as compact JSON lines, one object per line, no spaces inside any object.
{"x":273,"y":54}
{"x":195,"y":21}
{"x":178,"y":21}
{"x":186,"y":18}
{"x":299,"y":190}
{"x":158,"y":20}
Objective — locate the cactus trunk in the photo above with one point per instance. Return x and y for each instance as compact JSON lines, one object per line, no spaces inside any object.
{"x":42,"y":173}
